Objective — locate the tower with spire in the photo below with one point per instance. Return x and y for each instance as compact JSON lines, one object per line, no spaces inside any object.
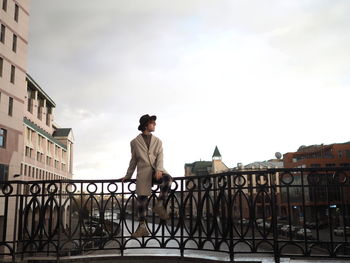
{"x":216,"y":154}
{"x":217,"y":165}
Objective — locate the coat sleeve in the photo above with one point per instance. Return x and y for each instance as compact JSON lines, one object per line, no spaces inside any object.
{"x":133,"y":162}
{"x":159,"y":160}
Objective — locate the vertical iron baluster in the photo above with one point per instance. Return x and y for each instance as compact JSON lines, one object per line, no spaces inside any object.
{"x":122,"y":221}
{"x":304,"y":212}
{"x":274,"y":220}
{"x":328,"y":187}
{"x":182,"y":212}
{"x":229,"y":215}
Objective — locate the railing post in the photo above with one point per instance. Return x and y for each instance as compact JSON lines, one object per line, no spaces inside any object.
{"x":274,"y":221}
{"x":182,"y":211}
{"x":17,"y":218}
{"x":229,"y":216}
{"x":122,"y":221}
{"x":59,"y":220}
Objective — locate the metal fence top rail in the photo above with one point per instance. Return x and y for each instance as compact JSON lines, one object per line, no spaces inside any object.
{"x":230,"y":173}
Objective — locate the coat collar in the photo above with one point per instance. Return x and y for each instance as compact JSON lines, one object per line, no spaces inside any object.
{"x":142,"y":142}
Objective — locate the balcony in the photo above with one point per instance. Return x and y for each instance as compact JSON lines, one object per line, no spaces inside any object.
{"x":222,"y":215}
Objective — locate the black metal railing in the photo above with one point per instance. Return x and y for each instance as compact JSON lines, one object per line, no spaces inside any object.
{"x":284,"y":212}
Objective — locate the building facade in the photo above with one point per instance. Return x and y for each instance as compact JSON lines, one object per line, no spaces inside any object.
{"x":203,"y":168}
{"x":48,"y":149}
{"x":319,"y":199}
{"x":14,"y":28}
{"x":32,"y":145}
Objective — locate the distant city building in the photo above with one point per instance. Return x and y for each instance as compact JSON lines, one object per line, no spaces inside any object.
{"x":273,"y":163}
{"x":252,"y":182}
{"x":337,"y":154}
{"x":204,"y":168}
{"x":317,"y":199}
{"x":215,"y":166}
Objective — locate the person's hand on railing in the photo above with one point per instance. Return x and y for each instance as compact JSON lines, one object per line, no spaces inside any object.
{"x":123,"y":179}
{"x":159,"y":175}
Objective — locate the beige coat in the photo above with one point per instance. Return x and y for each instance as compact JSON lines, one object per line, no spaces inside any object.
{"x":145,"y":160}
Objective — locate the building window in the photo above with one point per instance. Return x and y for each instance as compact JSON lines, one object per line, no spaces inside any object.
{"x":1,"y":66}
{"x":2,"y":34}
{"x":10,"y":106}
{"x":330,"y":164}
{"x":48,"y":148}
{"x":48,"y":115}
{"x":29,"y":135}
{"x":16,"y":12}
{"x":29,"y":152}
{"x":40,"y":141}
{"x":48,"y":160}
{"x":56,"y":152}
{"x":340,"y":154}
{"x":4,"y":172}
{"x":14,"y":43}
{"x":30,"y":105}
{"x":347,"y":154}
{"x":40,"y":112}
{"x":315,"y":165}
{"x":4,"y":5}
{"x":13,"y":72}
{"x":63,"y":167}
{"x":39,"y":156}
{"x":3,"y":135}
{"x":40,"y":108}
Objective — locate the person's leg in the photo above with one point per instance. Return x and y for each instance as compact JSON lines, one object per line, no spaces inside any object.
{"x":142,"y":207}
{"x":141,"y":230}
{"x":165,"y":186}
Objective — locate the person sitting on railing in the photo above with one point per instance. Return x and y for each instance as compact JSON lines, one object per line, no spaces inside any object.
{"x":147,"y":156}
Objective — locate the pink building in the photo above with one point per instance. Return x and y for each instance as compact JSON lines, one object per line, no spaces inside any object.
{"x":14,"y":22}
{"x":48,"y":149}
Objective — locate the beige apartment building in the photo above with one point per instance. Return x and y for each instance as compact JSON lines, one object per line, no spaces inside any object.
{"x":47,"y":149}
{"x":14,"y":28}
{"x":32,"y":145}
{"x":14,"y":25}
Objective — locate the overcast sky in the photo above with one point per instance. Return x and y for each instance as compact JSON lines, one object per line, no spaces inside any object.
{"x":252,"y":77}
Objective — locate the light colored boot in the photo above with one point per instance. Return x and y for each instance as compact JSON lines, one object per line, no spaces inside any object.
{"x":141,"y":231}
{"x":160,"y":210}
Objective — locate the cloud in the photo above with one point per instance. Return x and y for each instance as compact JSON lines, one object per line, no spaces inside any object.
{"x":251,"y":77}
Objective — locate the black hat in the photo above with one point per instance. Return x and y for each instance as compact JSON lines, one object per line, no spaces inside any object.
{"x":144,"y":119}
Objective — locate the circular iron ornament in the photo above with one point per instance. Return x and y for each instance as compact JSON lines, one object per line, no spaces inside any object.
{"x":34,"y":189}
{"x":207,"y":183}
{"x":91,"y":185}
{"x":71,"y":188}
{"x":132,"y":184}
{"x":313,"y":178}
{"x":239,"y":180}
{"x":7,"y":189}
{"x":287,"y":178}
{"x":222,"y":182}
{"x":52,"y":188}
{"x":190,"y":185}
{"x":174,"y":185}
{"x":259,"y":177}
{"x":110,"y":188}
{"x":340,"y":177}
